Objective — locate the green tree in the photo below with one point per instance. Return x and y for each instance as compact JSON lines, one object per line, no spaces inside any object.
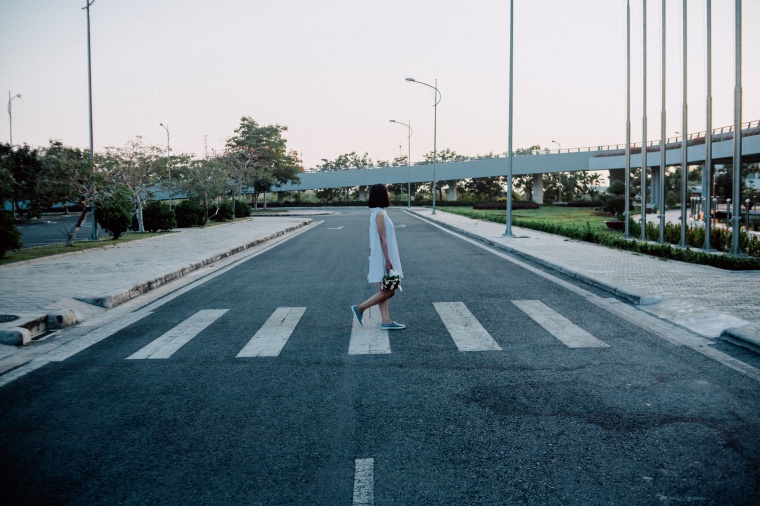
{"x":487,"y":188}
{"x":274,"y":165}
{"x":68,"y":176}
{"x":347,"y":161}
{"x":135,"y":167}
{"x":114,"y":212}
{"x":23,"y":164}
{"x":206,"y":181}
{"x":444,"y":156}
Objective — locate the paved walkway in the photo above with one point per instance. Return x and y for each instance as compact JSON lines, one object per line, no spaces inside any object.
{"x":88,"y":281}
{"x":706,"y":300}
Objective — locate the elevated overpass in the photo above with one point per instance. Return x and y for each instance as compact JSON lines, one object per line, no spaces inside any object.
{"x":599,"y":158}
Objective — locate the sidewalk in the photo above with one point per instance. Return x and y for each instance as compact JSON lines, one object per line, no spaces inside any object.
{"x":708,"y":301}
{"x":57,"y":290}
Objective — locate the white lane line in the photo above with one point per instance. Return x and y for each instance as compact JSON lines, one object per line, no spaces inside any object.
{"x":166,"y":345}
{"x":364,"y":482}
{"x":75,"y":346}
{"x":466,"y":331}
{"x":272,"y":336}
{"x":557,"y":325}
{"x":369,"y":340}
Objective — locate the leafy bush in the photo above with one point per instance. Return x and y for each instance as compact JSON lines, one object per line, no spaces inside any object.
{"x":10,"y":237}
{"x":158,"y":216}
{"x":189,"y":214}
{"x":223,"y":212}
{"x":114,"y":214}
{"x":242,"y":209}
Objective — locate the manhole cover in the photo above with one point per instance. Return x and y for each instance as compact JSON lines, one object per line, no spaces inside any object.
{"x":7,"y":318}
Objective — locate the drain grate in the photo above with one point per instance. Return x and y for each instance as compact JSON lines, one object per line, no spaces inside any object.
{"x":5,"y":318}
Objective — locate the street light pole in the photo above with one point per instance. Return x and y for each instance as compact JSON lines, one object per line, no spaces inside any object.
{"x":437,"y":99}
{"x":408,"y":163}
{"x":168,"y":164}
{"x":94,"y":235}
{"x":10,"y":115}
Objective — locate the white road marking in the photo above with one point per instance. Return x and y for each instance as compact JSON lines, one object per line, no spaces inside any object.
{"x":335,"y":228}
{"x":272,"y":336}
{"x":370,"y":339}
{"x":74,"y":346}
{"x":664,"y":330}
{"x":557,"y":325}
{"x":466,"y":331}
{"x":364,"y":482}
{"x":166,"y":345}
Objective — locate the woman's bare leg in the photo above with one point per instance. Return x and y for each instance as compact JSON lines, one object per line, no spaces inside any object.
{"x":380,"y":299}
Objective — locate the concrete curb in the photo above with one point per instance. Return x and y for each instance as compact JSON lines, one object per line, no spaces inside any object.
{"x":746,"y":336}
{"x":743,"y":336}
{"x":58,"y":318}
{"x":121,"y":296}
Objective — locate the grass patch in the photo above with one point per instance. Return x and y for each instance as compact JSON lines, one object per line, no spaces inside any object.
{"x":57,"y":249}
{"x":578,"y":217}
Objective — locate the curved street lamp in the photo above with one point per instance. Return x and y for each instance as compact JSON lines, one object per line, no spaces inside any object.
{"x":408,"y":163}
{"x":10,"y":115}
{"x":437,"y":99}
{"x":168,"y":164}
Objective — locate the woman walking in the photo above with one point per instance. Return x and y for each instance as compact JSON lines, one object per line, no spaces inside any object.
{"x":383,"y":257}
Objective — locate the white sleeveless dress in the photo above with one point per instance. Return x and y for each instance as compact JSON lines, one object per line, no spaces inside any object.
{"x":376,"y":257}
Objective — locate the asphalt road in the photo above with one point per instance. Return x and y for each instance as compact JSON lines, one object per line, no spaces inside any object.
{"x":636,"y":422}
{"x":51,"y":229}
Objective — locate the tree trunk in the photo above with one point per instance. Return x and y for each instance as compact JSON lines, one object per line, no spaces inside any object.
{"x":80,"y":222}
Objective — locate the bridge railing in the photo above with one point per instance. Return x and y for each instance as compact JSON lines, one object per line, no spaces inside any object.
{"x":749,"y":128}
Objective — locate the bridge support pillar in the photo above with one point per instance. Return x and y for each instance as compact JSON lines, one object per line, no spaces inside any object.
{"x":617,"y":175}
{"x":452,"y":192}
{"x":362,"y":197}
{"x":538,"y":188}
{"x":280,"y":197}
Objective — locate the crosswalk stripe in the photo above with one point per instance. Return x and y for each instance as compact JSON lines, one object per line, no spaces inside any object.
{"x":369,"y":339}
{"x":271,"y":338}
{"x":557,"y":325}
{"x":364,"y":482}
{"x":166,"y":345}
{"x":466,"y":331}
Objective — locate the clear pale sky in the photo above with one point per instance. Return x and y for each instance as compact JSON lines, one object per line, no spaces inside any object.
{"x":333,"y":72}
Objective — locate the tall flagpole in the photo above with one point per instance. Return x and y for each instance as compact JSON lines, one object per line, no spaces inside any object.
{"x":684,"y":143}
{"x":661,"y":175}
{"x":644,"y":136}
{"x":510,"y":156}
{"x":707,"y":170}
{"x":627,"y":212}
{"x":737,"y":189}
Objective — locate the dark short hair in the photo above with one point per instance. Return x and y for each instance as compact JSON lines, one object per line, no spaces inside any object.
{"x":378,"y":196}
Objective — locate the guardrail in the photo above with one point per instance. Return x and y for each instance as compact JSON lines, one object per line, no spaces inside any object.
{"x":747,"y":129}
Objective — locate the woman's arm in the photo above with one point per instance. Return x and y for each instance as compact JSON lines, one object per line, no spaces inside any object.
{"x":380,"y":220}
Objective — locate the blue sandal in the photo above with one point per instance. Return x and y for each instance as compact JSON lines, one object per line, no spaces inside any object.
{"x":392,"y":326}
